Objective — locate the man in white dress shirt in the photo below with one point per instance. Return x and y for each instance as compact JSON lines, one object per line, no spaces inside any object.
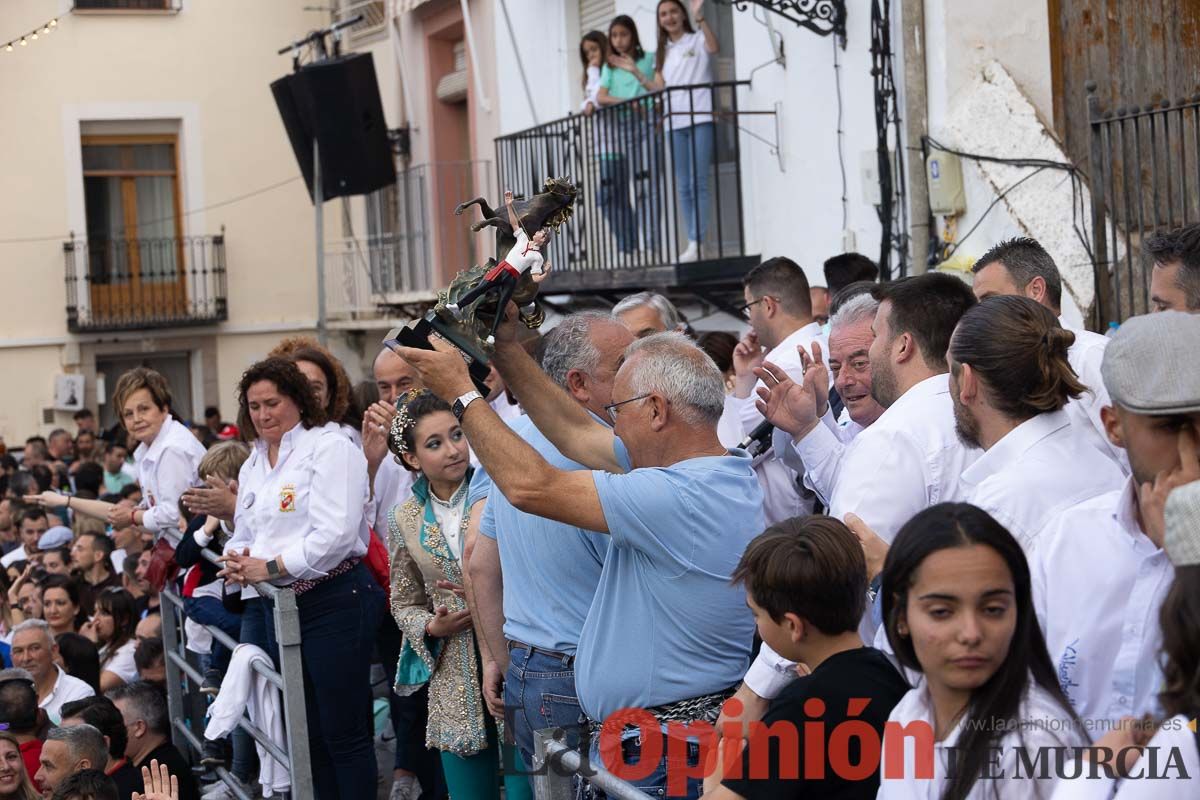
{"x":1175,"y":279}
{"x":1010,"y":381}
{"x":909,"y":458}
{"x":850,"y":340}
{"x":1021,"y":266}
{"x":779,"y":306}
{"x":34,"y":649}
{"x":1099,"y":572}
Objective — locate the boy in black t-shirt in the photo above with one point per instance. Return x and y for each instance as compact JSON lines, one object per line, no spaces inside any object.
{"x":806,"y":582}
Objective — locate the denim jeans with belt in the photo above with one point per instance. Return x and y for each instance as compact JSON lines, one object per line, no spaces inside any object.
{"x":338,"y":621}
{"x":539,"y":692}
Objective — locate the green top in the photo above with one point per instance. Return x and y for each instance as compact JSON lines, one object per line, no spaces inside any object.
{"x":623,"y":84}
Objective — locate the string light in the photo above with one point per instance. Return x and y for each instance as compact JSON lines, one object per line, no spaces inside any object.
{"x":32,"y":36}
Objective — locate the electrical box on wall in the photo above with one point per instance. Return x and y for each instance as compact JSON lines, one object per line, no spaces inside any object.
{"x":943,"y":173}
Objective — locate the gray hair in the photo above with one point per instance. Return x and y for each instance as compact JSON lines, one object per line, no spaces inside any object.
{"x":673,"y":366}
{"x":35,"y":625}
{"x":854,"y":311}
{"x":147,"y":703}
{"x":569,"y":345}
{"x":665,"y":308}
{"x":82,"y":741}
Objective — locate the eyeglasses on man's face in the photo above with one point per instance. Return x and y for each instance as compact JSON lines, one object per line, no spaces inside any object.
{"x":744,"y":308}
{"x":611,"y":408}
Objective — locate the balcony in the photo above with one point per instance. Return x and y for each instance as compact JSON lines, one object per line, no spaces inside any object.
{"x":629,"y":228}
{"x":138,"y":284}
{"x":131,"y":6}
{"x":374,"y":17}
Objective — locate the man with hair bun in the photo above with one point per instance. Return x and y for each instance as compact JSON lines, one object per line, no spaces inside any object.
{"x":1010,"y":382}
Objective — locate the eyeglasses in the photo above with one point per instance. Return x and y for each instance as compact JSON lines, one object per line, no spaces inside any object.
{"x":611,"y":408}
{"x":745,"y":307}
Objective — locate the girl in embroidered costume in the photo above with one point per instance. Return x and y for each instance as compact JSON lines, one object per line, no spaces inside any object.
{"x":525,"y":256}
{"x":426,"y":537}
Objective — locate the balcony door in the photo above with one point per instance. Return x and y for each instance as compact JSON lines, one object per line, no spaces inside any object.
{"x":134,"y":225}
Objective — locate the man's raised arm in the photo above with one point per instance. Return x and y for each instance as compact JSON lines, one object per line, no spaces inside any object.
{"x":575,"y":433}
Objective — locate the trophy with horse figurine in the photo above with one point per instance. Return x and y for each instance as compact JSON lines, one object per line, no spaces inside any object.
{"x":470,"y":309}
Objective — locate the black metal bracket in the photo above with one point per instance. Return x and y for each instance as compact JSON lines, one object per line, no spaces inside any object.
{"x":822,"y":17}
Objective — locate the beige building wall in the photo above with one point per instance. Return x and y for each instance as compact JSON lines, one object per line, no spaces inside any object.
{"x":205,"y":73}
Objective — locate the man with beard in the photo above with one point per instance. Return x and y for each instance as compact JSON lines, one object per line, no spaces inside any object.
{"x":1010,"y":381}
{"x":1099,"y":572}
{"x":1023,"y":268}
{"x":910,"y":457}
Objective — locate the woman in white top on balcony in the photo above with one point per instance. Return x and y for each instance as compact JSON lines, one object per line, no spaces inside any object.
{"x":299,"y":523}
{"x":684,"y":58}
{"x":167,"y":457}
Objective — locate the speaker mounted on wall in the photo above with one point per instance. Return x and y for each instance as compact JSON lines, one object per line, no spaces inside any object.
{"x":336,"y":102}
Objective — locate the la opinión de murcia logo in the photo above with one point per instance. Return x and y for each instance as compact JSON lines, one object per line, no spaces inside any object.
{"x":815,"y":750}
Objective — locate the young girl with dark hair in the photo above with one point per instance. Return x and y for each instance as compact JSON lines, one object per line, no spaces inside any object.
{"x":593,"y":53}
{"x":426,"y":536}
{"x":958,"y":609}
{"x":112,"y":628}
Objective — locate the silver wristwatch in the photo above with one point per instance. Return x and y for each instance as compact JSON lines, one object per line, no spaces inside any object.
{"x":460,"y":404}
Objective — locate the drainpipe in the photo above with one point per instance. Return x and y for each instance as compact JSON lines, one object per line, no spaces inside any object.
{"x":915,"y":127}
{"x":476,"y":71}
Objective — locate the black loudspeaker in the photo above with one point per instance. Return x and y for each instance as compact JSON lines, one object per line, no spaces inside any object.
{"x":337,"y":103}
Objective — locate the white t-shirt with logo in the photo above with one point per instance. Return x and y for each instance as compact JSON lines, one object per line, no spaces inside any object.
{"x":688,"y":62}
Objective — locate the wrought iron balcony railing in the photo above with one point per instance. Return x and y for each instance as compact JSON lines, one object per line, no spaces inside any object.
{"x":652,"y":173}
{"x":130,"y":284}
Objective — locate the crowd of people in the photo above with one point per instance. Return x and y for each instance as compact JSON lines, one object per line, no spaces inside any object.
{"x":961,"y":517}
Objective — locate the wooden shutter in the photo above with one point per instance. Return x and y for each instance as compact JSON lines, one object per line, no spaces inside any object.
{"x":594,"y":15}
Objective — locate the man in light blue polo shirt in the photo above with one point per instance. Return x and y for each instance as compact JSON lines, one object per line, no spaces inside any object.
{"x":666,"y":631}
{"x":547,"y":571}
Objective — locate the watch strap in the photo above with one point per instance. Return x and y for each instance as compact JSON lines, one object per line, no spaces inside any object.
{"x":462,"y":401}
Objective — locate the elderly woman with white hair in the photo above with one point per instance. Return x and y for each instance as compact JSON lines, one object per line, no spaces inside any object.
{"x":680,"y":512}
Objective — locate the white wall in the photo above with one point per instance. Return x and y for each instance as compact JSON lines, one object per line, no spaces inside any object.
{"x":793,"y":201}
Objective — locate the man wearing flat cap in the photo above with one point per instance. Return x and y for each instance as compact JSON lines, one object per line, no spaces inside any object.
{"x":1100,"y":573}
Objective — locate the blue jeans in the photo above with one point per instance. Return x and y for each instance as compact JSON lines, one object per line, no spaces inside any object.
{"x":648,"y":205}
{"x":613,"y":199}
{"x":338,"y":622}
{"x":539,"y":692}
{"x":210,"y":611}
{"x":655,"y":784}
{"x":692,"y":152}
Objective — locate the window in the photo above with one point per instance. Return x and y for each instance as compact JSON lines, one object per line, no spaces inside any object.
{"x":134,"y":222}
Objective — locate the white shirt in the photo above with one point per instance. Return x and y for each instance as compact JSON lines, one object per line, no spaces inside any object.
{"x":827,"y":451}
{"x":781,"y":497}
{"x":67,"y":688}
{"x":449,"y":516}
{"x":907,"y":460}
{"x":1098,"y":583}
{"x":244,"y":690}
{"x":687,"y":63}
{"x":1043,"y":723}
{"x":1038,"y":469}
{"x":1173,"y":737}
{"x":14,"y":555}
{"x":308,"y":508}
{"x":167,"y":467}
{"x":524,"y":257}
{"x":122,"y":664}
{"x":1085,"y":357}
{"x":592,"y":89}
